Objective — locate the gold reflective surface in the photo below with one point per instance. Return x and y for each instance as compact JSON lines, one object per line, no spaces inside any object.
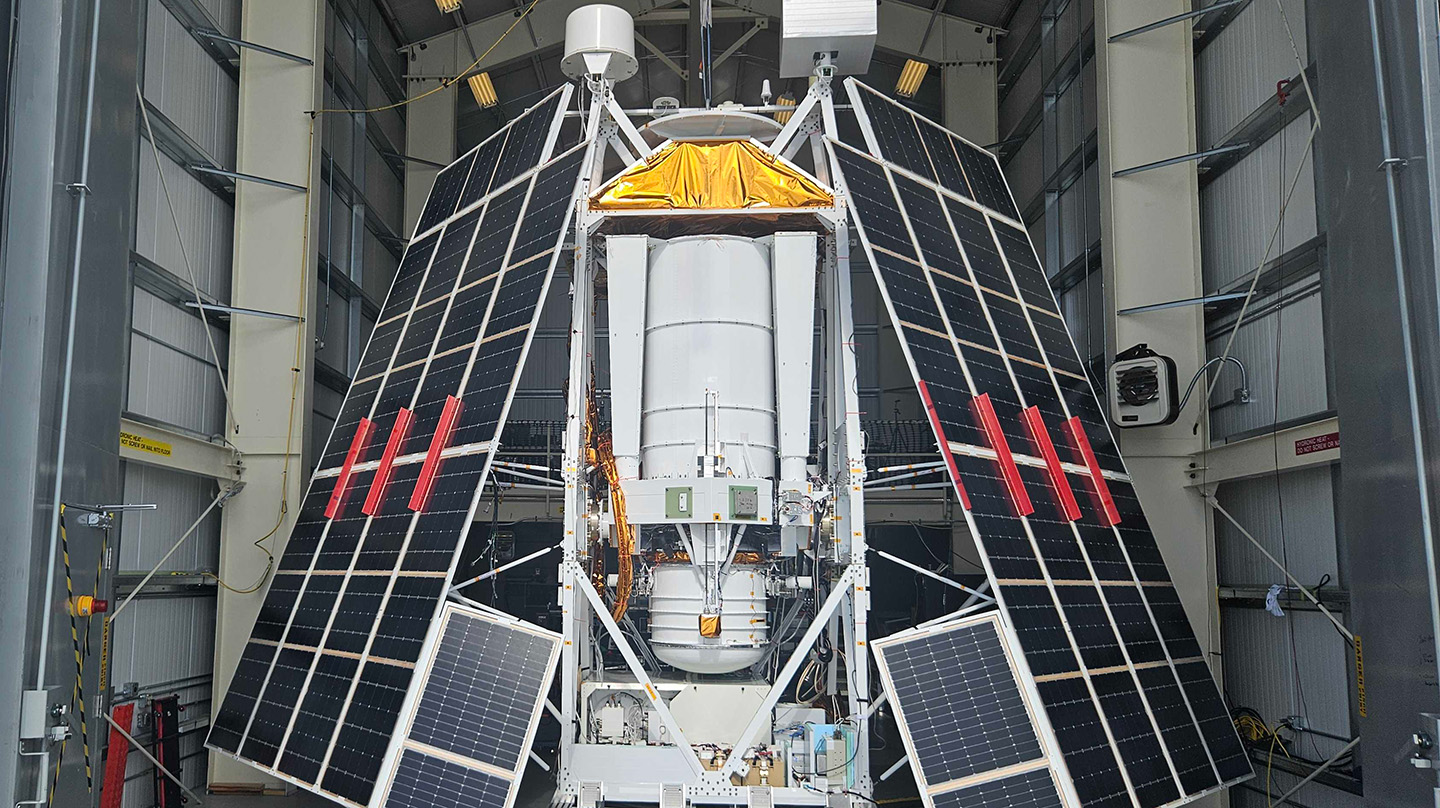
{"x":711,"y":175}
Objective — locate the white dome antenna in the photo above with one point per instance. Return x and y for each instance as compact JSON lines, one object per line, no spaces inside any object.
{"x":600,"y":41}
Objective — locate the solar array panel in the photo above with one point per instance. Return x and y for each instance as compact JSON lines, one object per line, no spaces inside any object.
{"x":1076,"y":568}
{"x":481,"y":689}
{"x":320,"y":683}
{"x":969,"y":727}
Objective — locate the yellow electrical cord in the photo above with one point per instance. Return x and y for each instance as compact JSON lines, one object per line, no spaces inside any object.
{"x":444,"y":83}
{"x":1254,"y":730}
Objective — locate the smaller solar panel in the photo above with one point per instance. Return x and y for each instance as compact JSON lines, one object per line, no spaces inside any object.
{"x":1032,"y":789}
{"x":969,"y":727}
{"x":466,"y":738}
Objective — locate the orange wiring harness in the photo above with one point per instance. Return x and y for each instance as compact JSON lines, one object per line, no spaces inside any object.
{"x":600,"y":452}
{"x":624,"y":531}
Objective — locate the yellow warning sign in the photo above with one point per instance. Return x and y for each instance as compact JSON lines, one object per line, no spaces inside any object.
{"x":140,"y":443}
{"x":1360,"y":677}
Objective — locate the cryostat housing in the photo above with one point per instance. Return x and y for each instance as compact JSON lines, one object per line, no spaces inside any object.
{"x":710,"y":344}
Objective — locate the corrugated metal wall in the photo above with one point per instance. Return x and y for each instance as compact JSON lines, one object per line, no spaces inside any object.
{"x":188,"y":86}
{"x":163,"y":643}
{"x":1283,"y":350}
{"x":207,"y":219}
{"x":1236,"y":73}
{"x":1048,"y":127}
{"x":1295,"y":666}
{"x":1302,"y":531}
{"x":1239,"y":209}
{"x":361,"y":198}
{"x":172,"y":375}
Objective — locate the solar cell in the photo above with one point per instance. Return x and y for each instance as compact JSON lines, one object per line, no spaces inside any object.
{"x":1177,"y":727}
{"x":968,"y":724}
{"x":499,"y":159}
{"x":1034,"y":789}
{"x":1080,"y":579}
{"x":321,"y":684}
{"x":1215,"y":725}
{"x":481,"y":691}
{"x":1129,"y":720}
{"x":445,"y":194}
{"x":1090,"y":758}
{"x":423,"y":781}
{"x":929,"y":151}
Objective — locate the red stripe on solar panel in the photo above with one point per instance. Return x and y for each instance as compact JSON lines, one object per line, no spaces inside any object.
{"x":342,"y":483}
{"x":398,"y":434}
{"x":944,"y":444}
{"x":448,"y":417}
{"x":991,"y":424}
{"x":1040,"y":437}
{"x":1109,"y":514}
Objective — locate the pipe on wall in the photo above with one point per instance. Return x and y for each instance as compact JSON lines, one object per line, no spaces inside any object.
{"x":1390,"y":164}
{"x":82,"y":189}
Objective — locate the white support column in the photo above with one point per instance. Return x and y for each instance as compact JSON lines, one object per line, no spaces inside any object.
{"x":273,"y":271}
{"x":429,"y":136}
{"x":970,"y":101}
{"x":574,"y":609}
{"x":1150,"y":226}
{"x":430,"y":121}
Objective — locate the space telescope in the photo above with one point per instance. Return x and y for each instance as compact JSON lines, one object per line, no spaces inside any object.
{"x":726,"y":483}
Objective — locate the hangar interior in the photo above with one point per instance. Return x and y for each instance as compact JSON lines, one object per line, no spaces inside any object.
{"x":210,"y":206}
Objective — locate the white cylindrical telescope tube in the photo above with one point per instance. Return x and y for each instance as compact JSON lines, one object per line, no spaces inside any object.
{"x":708,"y":327}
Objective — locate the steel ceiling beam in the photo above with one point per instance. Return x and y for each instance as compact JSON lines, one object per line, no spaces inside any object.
{"x":902,"y":26}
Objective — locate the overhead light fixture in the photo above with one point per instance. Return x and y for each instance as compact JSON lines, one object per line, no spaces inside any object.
{"x":910,"y":78}
{"x":483,"y":89}
{"x":783,"y":116}
{"x":448,"y":6}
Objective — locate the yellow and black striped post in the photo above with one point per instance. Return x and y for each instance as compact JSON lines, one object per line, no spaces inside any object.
{"x":78,"y":694}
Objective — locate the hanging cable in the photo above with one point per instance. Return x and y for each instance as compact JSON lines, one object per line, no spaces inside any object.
{"x":1304,"y":590}
{"x":185,"y":256}
{"x":1265,"y":258}
{"x":224,"y":494}
{"x":444,"y":83}
{"x":1299,"y":166}
{"x":1295,"y":50}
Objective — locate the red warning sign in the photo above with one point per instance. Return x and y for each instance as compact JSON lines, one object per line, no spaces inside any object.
{"x":1319,"y":443}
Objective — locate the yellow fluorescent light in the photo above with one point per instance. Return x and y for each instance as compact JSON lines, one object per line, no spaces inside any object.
{"x":484,"y":90}
{"x":910,"y":78}
{"x":448,"y":6}
{"x":784,"y":101}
